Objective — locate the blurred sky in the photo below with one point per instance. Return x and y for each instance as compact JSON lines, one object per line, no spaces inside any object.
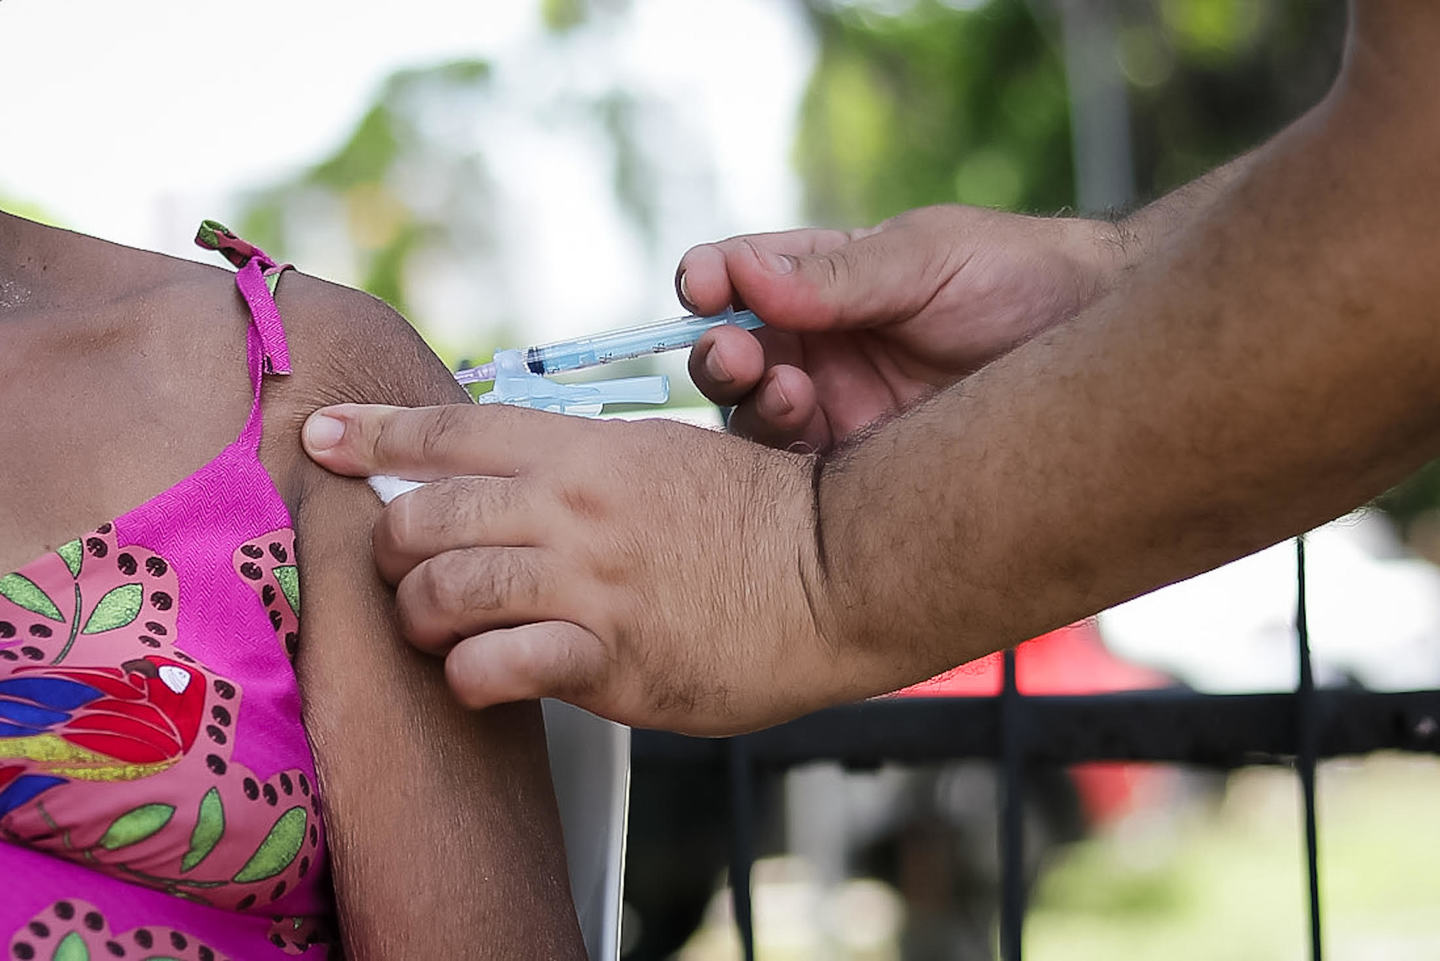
{"x":133,"y":121}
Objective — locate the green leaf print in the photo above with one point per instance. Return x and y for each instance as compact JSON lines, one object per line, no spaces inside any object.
{"x":136,"y":824}
{"x":208,"y":828}
{"x":21,"y":590}
{"x":71,"y":948}
{"x":290,"y":584}
{"x":72,"y":554}
{"x":117,"y":608}
{"x":278,"y":849}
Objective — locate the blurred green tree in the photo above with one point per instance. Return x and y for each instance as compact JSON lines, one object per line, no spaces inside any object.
{"x":407,"y":204}
{"x":921,"y":103}
{"x":932,"y":101}
{"x":401,"y":185}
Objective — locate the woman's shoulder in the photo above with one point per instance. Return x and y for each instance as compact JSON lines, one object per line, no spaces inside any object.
{"x":128,"y":372}
{"x":186,"y":327}
{"x":344,"y":343}
{"x":186,"y":323}
{"x":345,"y":346}
{"x":350,"y":347}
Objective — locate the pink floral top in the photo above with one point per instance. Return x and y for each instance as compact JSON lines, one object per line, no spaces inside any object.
{"x":158,"y":796}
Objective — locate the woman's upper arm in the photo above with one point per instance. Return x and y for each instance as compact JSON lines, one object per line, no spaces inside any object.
{"x":444,"y":834}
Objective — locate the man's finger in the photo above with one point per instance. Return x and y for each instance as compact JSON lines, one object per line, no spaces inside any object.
{"x":726,"y":364}
{"x":783,"y":412}
{"x":425,"y":443}
{"x":547,"y":659}
{"x":702,"y":280}
{"x":880,"y":278}
{"x":464,"y":592}
{"x":453,"y":514}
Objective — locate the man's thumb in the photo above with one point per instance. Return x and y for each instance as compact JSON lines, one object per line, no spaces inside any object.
{"x":859,"y":284}
{"x":342,"y":438}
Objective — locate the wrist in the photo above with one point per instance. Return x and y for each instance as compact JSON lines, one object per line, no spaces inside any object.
{"x":862,"y":595}
{"x":835,"y":593}
{"x":1106,"y":250}
{"x":814,"y":665}
{"x":825,"y":587}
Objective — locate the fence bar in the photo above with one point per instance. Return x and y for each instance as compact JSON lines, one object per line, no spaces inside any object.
{"x":1012,"y":838}
{"x":1309,"y":724}
{"x":1211,"y":730}
{"x":742,"y":840}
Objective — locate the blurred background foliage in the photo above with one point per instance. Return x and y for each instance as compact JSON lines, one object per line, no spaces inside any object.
{"x":408,"y":204}
{"x":932,"y":101}
{"x":405,"y":188}
{"x":924,"y":103}
{"x":910,"y":102}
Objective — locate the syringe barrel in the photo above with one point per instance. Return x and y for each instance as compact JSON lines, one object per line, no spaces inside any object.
{"x":672,"y":334}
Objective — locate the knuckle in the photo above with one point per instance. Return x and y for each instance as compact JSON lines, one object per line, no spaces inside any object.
{"x":478,"y":581}
{"x":831,"y":269}
{"x":511,"y":583}
{"x":445,"y":582}
{"x":436,"y":430}
{"x":476,"y":498}
{"x":569,"y":673}
{"x":572,"y":681}
{"x":426,"y":604}
{"x":585,"y":502}
{"x":386,"y":441}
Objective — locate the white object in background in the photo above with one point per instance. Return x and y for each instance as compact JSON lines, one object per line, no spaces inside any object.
{"x":1374,"y":616}
{"x":590,"y":766}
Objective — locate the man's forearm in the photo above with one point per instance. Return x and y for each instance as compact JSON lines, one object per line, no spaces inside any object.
{"x":1144,"y":232}
{"x":1275,"y":364}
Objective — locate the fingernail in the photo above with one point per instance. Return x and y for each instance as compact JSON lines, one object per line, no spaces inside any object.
{"x":684,"y":291}
{"x":715,"y":367}
{"x":323,"y":432}
{"x":773,"y":403}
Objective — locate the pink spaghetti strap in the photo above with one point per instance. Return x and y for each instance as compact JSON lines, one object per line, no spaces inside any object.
{"x":266,"y":349}
{"x":266,"y":315}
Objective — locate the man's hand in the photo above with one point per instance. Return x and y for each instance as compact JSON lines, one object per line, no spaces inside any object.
{"x":862,"y":324}
{"x":651,"y":572}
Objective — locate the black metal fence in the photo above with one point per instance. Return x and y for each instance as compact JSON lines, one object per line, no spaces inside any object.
{"x":1013,"y":730}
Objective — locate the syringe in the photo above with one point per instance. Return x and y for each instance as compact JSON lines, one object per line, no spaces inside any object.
{"x":597,"y":349}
